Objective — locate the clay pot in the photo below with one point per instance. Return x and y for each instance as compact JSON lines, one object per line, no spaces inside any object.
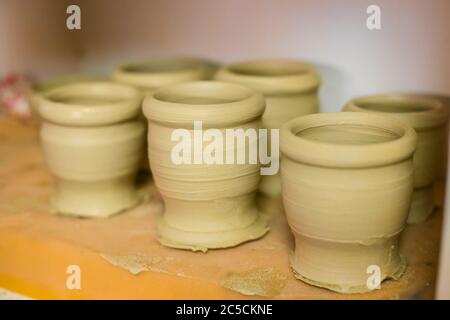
{"x":347,"y":181}
{"x":207,"y":206}
{"x":428,"y":117}
{"x":42,"y":87}
{"x":290,"y":88}
{"x":150,"y":75}
{"x":93,"y":144}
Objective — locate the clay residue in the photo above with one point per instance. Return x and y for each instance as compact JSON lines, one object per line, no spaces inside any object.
{"x":135,"y":264}
{"x":266,"y":282}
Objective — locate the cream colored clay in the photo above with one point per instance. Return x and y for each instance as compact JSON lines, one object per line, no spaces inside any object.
{"x":429,"y":118}
{"x":92,"y":143}
{"x":207,"y":206}
{"x":347,"y":181}
{"x":150,"y":75}
{"x":42,"y":87}
{"x":290,"y":88}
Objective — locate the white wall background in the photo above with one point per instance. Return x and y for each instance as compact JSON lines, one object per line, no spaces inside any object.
{"x":409,"y":53}
{"x":34,"y":40}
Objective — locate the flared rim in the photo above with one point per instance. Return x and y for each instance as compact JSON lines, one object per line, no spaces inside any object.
{"x":272,"y":77}
{"x":215,"y":103}
{"x":155,"y":73}
{"x":320,"y":153}
{"x":90,"y":103}
{"x":419,"y":111}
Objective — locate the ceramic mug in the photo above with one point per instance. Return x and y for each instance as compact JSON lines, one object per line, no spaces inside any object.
{"x":209,"y":203}
{"x":290,"y":88}
{"x":93,"y":143}
{"x":429,"y":118}
{"x":347,"y":181}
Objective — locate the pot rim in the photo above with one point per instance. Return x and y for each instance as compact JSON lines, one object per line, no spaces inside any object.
{"x":43,"y":86}
{"x":272,"y":76}
{"x":326,"y":154}
{"x":239,"y":104}
{"x":433,"y":114}
{"x":159,"y":72}
{"x":126,"y":105}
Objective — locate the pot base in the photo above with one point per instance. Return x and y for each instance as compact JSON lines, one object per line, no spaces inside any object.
{"x":94,"y":199}
{"x":270,"y":186}
{"x":347,"y":267}
{"x":422,"y":205}
{"x":353,"y":289}
{"x":202,"y":241}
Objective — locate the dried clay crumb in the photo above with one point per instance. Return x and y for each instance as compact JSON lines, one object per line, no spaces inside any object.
{"x":135,"y":264}
{"x":266,"y":282}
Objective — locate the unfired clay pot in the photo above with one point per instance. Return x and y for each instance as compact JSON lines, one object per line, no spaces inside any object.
{"x":290,"y":88}
{"x":42,"y":87}
{"x":150,"y":75}
{"x":347,"y":181}
{"x":93,"y":143}
{"x":207,"y":206}
{"x":428,"y":117}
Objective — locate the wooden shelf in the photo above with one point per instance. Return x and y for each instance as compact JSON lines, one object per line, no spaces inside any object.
{"x":36,"y":247}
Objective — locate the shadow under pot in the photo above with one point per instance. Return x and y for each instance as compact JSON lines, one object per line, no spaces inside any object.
{"x":209,"y":198}
{"x":347,"y":181}
{"x":92,"y":144}
{"x":429,"y":118}
{"x":150,"y":75}
{"x":290,"y":89}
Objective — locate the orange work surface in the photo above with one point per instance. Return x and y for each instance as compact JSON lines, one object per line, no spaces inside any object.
{"x":119,"y":258}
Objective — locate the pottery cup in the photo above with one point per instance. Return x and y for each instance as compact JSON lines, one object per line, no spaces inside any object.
{"x":150,"y":75}
{"x":93,"y":143}
{"x":209,"y":201}
{"x":290,"y":88}
{"x":429,"y":118}
{"x":347,"y":181}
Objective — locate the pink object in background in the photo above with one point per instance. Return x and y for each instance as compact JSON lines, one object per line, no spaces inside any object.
{"x":14,"y":92}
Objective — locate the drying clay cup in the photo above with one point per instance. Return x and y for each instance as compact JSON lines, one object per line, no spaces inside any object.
{"x":150,"y":75}
{"x":208,"y":204}
{"x":347,"y":181}
{"x":428,"y":117}
{"x":290,"y":88}
{"x":93,"y":144}
{"x":42,"y":87}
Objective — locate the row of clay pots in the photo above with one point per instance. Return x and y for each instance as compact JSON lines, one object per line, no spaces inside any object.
{"x":347,"y":178}
{"x":289,"y":87}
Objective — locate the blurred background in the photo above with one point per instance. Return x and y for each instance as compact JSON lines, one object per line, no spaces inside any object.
{"x":409,"y":53}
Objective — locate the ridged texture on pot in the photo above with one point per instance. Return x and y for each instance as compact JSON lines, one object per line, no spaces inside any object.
{"x":93,"y":144}
{"x":429,"y":118}
{"x":347,"y":181}
{"x":206,"y":205}
{"x":150,"y":75}
{"x":290,"y":88}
